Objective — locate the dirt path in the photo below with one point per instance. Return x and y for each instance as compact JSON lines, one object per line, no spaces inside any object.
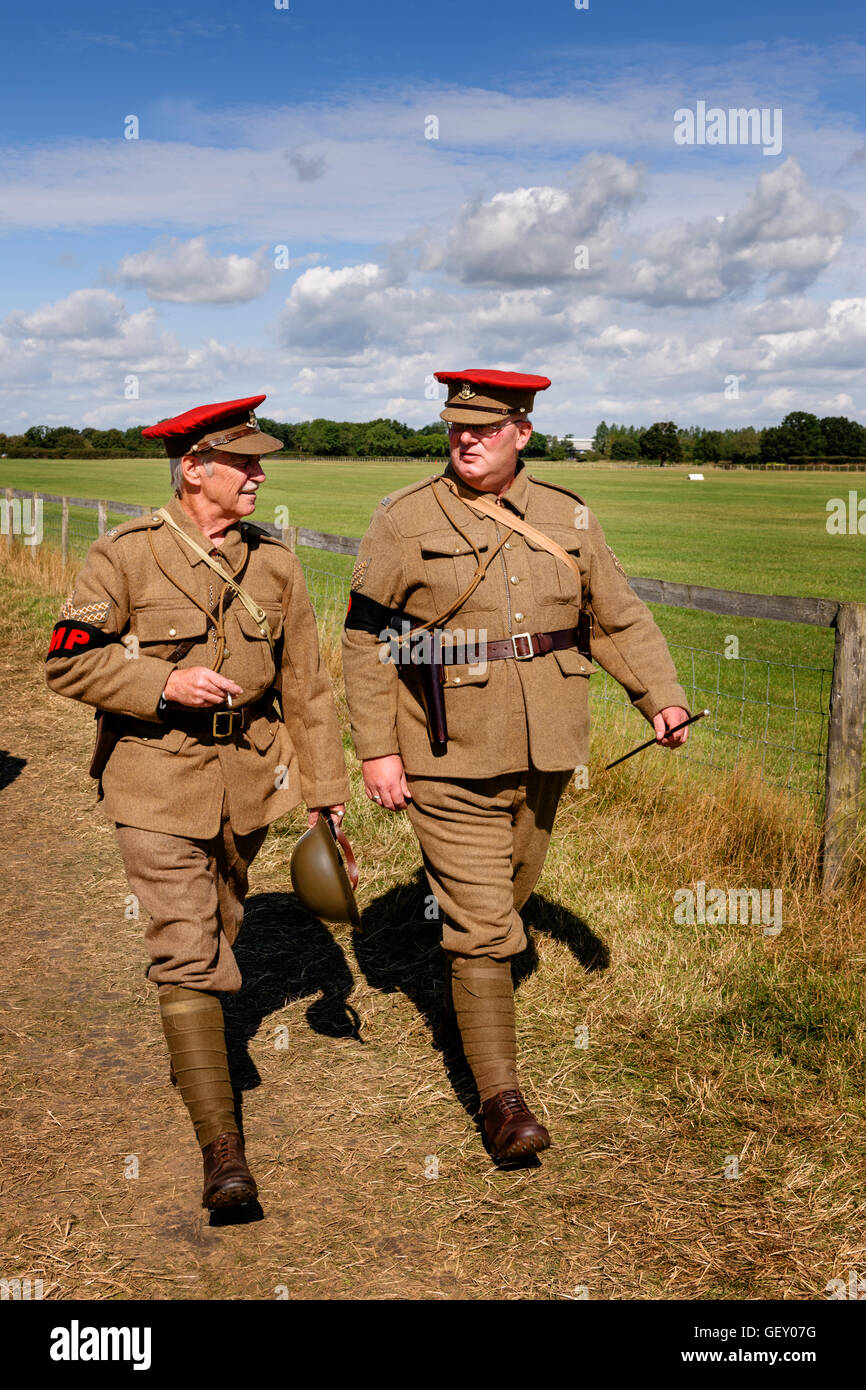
{"x":101,"y":1175}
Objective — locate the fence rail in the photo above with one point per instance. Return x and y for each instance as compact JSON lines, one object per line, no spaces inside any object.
{"x":837,"y":710}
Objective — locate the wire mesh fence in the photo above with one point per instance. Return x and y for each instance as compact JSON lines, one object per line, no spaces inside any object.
{"x":773,"y":714}
{"x":329,"y":592}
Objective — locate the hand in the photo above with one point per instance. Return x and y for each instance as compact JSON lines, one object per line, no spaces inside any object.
{"x":337,"y":813}
{"x":668,"y":719}
{"x":385,"y":782}
{"x":199,"y":686}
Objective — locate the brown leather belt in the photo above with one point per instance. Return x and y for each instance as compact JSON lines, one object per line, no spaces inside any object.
{"x":205,"y":723}
{"x":522,"y":646}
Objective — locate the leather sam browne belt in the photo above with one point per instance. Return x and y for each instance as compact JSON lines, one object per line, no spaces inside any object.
{"x":368,"y":615}
{"x":522,"y":646}
{"x":209,"y":723}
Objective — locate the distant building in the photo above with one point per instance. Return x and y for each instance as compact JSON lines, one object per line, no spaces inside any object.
{"x":580,"y":446}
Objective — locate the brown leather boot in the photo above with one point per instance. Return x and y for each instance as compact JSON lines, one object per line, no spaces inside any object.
{"x":227,"y":1180}
{"x":511,"y":1128}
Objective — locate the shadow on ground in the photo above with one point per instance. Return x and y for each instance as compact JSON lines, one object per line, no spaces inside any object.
{"x":10,"y":767}
{"x":285,"y":955}
{"x":399,"y":949}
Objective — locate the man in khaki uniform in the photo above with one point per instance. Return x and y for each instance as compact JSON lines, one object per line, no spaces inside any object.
{"x":193,"y":632}
{"x":517,"y":571}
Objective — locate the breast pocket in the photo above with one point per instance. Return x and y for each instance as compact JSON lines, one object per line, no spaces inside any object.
{"x":160,"y":628}
{"x":449,"y":567}
{"x":554,"y":581}
{"x":252,"y":664}
{"x":274,"y":614}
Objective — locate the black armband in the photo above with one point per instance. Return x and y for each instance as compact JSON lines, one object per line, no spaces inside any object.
{"x":69,"y":638}
{"x":367,"y":615}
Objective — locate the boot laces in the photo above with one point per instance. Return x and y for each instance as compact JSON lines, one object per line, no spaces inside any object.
{"x":513,"y":1102}
{"x":222,"y":1144}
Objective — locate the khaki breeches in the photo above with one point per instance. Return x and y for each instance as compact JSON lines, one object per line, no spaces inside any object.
{"x":194,"y":891}
{"x":484,"y":842}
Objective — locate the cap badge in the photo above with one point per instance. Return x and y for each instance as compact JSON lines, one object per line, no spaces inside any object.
{"x":466,"y":392}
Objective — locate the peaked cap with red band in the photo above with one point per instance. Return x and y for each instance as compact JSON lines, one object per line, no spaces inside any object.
{"x":229,"y":426}
{"x":483,"y":397}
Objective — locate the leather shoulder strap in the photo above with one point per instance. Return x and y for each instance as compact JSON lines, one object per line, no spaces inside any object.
{"x":517,"y":523}
{"x":255,"y":611}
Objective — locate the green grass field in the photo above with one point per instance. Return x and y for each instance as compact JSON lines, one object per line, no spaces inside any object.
{"x":758,"y":532}
{"x":761,"y":532}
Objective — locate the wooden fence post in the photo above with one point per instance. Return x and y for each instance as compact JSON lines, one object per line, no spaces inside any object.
{"x":64,"y":530}
{"x":101,"y":518}
{"x":34,"y":512}
{"x":289,"y":536}
{"x":10,"y":498}
{"x":844,"y":746}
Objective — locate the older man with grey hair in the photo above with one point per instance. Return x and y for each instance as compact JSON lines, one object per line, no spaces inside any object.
{"x":192,"y":633}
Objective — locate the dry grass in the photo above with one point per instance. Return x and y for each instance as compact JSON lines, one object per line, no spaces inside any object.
{"x":704,"y":1042}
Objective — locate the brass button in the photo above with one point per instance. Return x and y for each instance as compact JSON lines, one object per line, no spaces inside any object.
{"x":456,"y":680}
{"x":172,"y":632}
{"x":518,"y":617}
{"x":226,"y":652}
{"x":508,"y":545}
{"x":514,"y":579}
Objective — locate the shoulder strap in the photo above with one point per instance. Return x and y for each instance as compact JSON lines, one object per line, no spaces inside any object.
{"x":256,"y":613}
{"x":517,"y":523}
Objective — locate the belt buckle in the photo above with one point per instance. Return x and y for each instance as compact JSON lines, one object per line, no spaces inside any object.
{"x":225,"y":730}
{"x":520,"y":637}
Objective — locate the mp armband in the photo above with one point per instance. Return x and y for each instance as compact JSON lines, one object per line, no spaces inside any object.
{"x":71,"y":639}
{"x":368,"y":615}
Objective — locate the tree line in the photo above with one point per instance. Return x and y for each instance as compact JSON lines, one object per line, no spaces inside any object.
{"x":800,"y":438}
{"x":315,"y":438}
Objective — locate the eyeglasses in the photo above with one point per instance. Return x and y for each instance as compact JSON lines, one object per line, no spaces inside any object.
{"x":479,"y":431}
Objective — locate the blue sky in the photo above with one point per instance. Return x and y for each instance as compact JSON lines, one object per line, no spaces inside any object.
{"x":156,"y":259}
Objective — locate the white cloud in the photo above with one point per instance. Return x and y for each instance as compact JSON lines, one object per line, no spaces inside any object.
{"x":529,"y":236}
{"x":785,"y":234}
{"x":83,"y":314}
{"x":837,"y":342}
{"x":184,"y":273}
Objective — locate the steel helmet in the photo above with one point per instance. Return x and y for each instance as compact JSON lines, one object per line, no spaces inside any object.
{"x":322,"y":881}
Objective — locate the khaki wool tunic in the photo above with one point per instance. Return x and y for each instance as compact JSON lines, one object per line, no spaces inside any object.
{"x":503,"y":716}
{"x":166,"y":779}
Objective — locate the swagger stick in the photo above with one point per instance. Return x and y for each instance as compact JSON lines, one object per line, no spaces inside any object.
{"x":701,"y":714}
